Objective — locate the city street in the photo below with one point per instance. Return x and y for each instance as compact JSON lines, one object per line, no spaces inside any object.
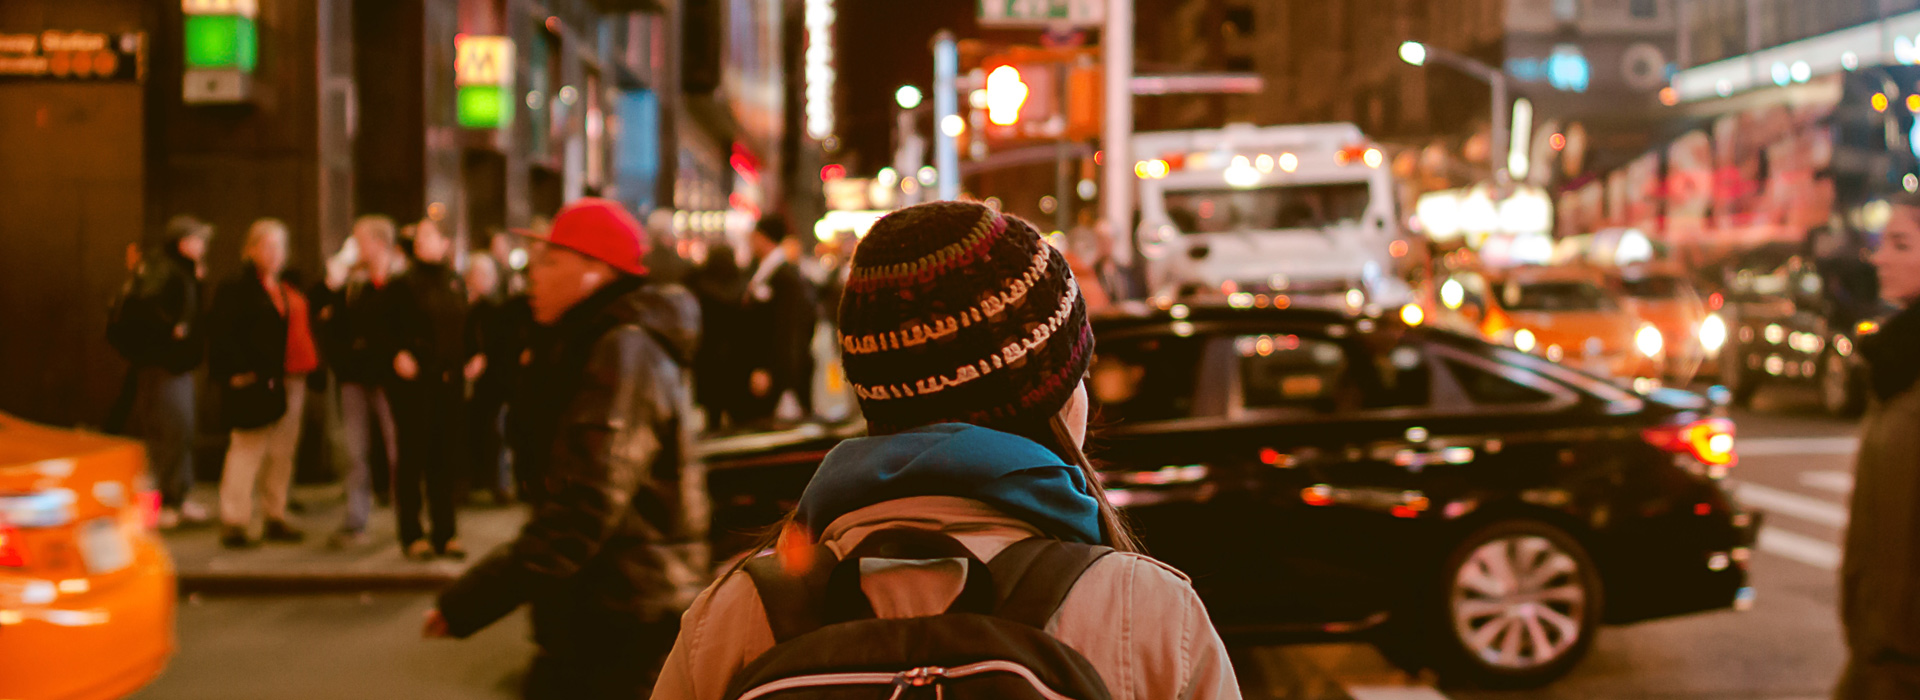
{"x":1795,"y":465}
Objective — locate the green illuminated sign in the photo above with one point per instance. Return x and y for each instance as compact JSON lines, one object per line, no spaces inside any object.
{"x":484,"y":107}
{"x":221,"y":41}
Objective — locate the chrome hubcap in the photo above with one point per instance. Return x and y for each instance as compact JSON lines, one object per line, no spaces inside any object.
{"x":1518,"y":602}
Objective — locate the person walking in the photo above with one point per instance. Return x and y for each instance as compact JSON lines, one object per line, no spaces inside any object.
{"x":719,"y":372}
{"x":431,"y":361}
{"x":358,"y":347}
{"x":498,"y":324}
{"x":780,"y":300}
{"x":616,"y":546}
{"x":261,"y":349}
{"x":976,"y":429}
{"x":1880,"y":568}
{"x":156,"y":325}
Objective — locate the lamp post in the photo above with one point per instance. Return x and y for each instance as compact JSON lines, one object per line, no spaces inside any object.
{"x":1419,"y":54}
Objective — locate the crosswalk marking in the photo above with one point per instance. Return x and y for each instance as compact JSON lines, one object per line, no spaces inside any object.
{"x":1811,"y":446}
{"x":1832,"y":481}
{"x":1801,"y":548}
{"x":1791,"y":504}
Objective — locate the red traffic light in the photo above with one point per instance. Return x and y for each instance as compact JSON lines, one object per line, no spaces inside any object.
{"x":832,"y":171}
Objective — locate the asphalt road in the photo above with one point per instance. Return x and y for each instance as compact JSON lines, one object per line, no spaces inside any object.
{"x":1795,"y":464}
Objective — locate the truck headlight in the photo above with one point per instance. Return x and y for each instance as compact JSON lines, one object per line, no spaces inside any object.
{"x":1649,"y":342}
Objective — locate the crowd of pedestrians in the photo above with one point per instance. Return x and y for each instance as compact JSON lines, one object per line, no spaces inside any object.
{"x":417,"y":359}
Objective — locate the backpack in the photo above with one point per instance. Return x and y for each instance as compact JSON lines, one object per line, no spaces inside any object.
{"x":990,"y":643}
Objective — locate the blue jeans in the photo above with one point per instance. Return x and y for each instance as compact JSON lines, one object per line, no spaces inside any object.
{"x":163,"y":406}
{"x":364,"y":409}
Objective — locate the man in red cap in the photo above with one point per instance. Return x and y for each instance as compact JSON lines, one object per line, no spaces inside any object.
{"x":615,"y":549}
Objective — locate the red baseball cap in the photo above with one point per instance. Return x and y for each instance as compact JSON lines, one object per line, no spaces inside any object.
{"x":600,"y":229}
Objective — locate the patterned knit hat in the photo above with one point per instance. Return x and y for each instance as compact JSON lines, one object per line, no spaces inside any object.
{"x":956,"y":313}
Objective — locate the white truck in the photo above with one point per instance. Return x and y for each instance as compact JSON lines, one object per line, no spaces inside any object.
{"x":1303,"y":210}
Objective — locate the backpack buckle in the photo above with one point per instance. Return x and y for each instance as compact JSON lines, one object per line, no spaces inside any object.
{"x":923,"y":676}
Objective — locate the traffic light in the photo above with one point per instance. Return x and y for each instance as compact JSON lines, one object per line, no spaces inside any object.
{"x":1005,"y":94}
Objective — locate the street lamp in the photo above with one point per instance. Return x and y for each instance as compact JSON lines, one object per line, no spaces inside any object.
{"x":1413,"y":52}
{"x":1418,"y":54}
{"x":908,"y":97}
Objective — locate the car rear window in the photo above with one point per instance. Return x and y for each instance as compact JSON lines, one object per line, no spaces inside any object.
{"x":1489,"y":389}
{"x":1558,"y":296}
{"x":1145,"y":379}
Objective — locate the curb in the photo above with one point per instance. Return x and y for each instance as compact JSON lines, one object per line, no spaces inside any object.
{"x":310,"y":582}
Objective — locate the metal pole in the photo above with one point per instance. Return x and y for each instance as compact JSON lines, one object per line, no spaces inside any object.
{"x":1062,"y":187}
{"x":1501,"y":111}
{"x":1116,"y":177}
{"x":946,"y":99}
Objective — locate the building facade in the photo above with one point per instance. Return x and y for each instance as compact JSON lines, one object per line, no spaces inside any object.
{"x":483,"y":115}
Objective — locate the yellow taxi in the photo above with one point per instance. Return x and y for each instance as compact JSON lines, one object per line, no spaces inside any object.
{"x":1662,"y":294}
{"x":86,"y":586}
{"x":1574,"y":315}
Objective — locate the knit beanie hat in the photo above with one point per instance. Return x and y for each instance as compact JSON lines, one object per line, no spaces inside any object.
{"x":955,"y":313}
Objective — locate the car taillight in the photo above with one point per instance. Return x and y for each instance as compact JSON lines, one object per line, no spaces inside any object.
{"x":13,"y":553}
{"x":150,"y":510}
{"x":1709,"y":440}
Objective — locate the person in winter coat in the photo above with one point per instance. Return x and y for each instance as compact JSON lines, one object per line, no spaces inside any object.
{"x":498,"y":327}
{"x":354,"y":335}
{"x":432,"y":362}
{"x":615,"y":548}
{"x":719,"y":372}
{"x":1880,"y":573}
{"x":976,"y":428}
{"x":780,"y":304}
{"x":158,"y":329}
{"x":260,"y":352}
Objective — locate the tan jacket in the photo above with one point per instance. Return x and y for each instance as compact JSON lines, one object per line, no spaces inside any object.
{"x":1137,"y":620}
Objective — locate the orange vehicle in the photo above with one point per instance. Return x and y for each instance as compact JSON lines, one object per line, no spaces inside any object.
{"x":86,"y":586}
{"x":1663,"y":294}
{"x":1574,"y":316}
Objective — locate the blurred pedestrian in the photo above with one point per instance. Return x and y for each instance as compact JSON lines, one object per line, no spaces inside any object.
{"x":502,"y":246}
{"x":779,"y":303}
{"x":261,"y":348}
{"x":975,"y":453}
{"x":431,"y":362}
{"x":719,"y":369}
{"x":1880,"y":575}
{"x":157,"y":326}
{"x":497,"y":327}
{"x":354,"y":334}
{"x":616,"y":546}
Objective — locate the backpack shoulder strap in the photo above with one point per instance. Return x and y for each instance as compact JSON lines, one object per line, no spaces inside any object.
{"x":1034,"y":576}
{"x":793,"y":603}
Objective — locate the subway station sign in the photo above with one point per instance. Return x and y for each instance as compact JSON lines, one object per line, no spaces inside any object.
{"x":79,"y":56}
{"x":483,"y":74}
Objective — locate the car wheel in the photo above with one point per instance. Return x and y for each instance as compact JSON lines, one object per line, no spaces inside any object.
{"x":1839,"y":389}
{"x":1521,"y":602}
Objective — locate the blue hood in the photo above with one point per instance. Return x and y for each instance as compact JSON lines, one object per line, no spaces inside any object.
{"x":1011,"y":473}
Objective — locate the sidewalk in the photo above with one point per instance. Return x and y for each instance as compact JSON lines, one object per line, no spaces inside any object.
{"x":204,"y":566}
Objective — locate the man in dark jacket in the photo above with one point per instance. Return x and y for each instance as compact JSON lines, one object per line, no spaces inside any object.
{"x":353,"y":331}
{"x":157,"y":327}
{"x":498,"y":324}
{"x":615,"y":549}
{"x":780,"y":300}
{"x":427,"y":322}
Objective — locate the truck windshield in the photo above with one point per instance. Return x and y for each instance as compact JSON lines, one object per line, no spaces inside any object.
{"x":1268,"y":208}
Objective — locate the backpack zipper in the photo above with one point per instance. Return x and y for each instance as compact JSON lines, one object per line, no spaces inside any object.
{"x":911,"y":678}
